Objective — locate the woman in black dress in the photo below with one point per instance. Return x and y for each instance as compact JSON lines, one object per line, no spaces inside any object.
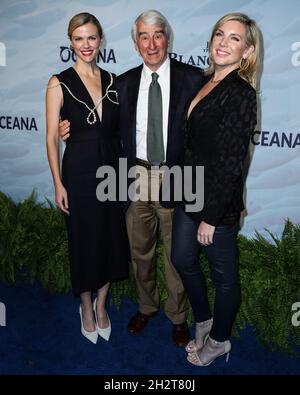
{"x":218,"y":124}
{"x":98,"y":246}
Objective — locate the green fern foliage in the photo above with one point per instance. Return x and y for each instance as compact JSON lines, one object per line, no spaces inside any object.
{"x":270,"y":274}
{"x":8,"y":234}
{"x":33,"y":247}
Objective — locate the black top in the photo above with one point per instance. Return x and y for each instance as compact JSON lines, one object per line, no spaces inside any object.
{"x":217,"y":136}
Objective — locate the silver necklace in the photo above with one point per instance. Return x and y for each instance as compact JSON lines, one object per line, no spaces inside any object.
{"x":92,"y":110}
{"x":214,"y":82}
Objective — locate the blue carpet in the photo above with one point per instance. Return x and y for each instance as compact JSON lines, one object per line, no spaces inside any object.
{"x":42,"y":336}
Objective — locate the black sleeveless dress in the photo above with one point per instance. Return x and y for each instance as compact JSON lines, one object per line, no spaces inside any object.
{"x":98,"y":244}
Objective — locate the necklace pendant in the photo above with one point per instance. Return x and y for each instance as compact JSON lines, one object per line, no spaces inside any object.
{"x":91,"y":122}
{"x":214,"y":82}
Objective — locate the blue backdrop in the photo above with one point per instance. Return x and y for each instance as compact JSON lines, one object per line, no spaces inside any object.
{"x":34,"y":45}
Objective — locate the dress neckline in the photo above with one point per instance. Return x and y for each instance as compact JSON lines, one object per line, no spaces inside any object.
{"x":92,"y":104}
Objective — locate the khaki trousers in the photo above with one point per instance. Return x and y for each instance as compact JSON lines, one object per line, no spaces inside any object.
{"x":144,"y":217}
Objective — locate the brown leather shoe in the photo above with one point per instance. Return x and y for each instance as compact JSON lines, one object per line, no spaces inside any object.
{"x":180,"y":334}
{"x":138,"y":322}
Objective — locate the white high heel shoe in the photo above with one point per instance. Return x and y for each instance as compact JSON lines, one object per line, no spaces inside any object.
{"x":91,"y":336}
{"x":102,"y":332}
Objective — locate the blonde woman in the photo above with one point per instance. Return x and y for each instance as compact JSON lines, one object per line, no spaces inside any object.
{"x":218,"y":123}
{"x":98,"y":250}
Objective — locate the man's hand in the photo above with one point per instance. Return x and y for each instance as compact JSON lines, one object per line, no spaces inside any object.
{"x":64,"y":129}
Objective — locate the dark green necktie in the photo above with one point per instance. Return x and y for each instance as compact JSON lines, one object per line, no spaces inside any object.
{"x":155,"y":142}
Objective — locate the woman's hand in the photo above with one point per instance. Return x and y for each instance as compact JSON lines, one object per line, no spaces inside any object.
{"x":61,"y":199}
{"x":205,"y":233}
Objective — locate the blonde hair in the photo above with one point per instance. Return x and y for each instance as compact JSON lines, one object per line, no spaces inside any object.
{"x":80,"y":20}
{"x":250,"y":69}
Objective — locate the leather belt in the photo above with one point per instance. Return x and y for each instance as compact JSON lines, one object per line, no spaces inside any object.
{"x":146,"y":164}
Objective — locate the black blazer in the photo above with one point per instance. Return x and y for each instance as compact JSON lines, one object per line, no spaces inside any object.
{"x":185,"y":81}
{"x":217,"y":137}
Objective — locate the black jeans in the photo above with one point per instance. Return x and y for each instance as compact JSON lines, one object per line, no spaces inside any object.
{"x":222,"y":257}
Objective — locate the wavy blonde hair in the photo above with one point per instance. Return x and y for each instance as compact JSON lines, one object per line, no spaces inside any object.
{"x":250,"y":70}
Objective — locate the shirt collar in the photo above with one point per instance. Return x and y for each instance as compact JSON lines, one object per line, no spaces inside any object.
{"x":160,"y":71}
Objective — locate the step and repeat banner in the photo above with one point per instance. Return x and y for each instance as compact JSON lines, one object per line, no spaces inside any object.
{"x":34,"y":45}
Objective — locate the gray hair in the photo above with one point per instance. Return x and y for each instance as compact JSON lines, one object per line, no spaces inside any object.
{"x":152,"y":17}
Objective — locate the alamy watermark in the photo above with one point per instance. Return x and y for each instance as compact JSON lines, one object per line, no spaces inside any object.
{"x":296,"y":315}
{"x":166,"y":184}
{"x":2,"y":54}
{"x":295,"y":59}
{"x":2,"y":314}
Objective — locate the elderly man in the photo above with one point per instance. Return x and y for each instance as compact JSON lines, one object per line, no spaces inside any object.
{"x":145,"y":107}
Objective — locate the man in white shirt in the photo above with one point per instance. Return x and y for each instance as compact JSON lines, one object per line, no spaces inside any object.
{"x":151,"y":34}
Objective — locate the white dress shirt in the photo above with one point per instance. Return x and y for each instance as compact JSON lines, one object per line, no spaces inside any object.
{"x":142,"y":107}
